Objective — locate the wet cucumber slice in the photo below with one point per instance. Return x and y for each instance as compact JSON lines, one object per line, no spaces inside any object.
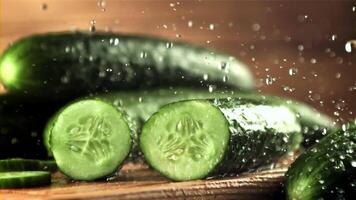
{"x":24,"y":179}
{"x":186,"y":140}
{"x":20,"y":164}
{"x":89,"y":139}
{"x":193,"y":139}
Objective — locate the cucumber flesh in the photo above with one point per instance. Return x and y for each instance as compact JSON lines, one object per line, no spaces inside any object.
{"x":24,"y":179}
{"x":185,"y":145}
{"x":89,"y":139}
{"x":193,"y":139}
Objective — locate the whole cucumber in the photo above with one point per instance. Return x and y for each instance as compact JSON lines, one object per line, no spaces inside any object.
{"x":57,"y":65}
{"x":327,"y":170}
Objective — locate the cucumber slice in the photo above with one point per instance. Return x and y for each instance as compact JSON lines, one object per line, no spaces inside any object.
{"x":185,"y":145}
{"x":89,"y":139}
{"x":20,"y":164}
{"x":193,"y":139}
{"x":24,"y":179}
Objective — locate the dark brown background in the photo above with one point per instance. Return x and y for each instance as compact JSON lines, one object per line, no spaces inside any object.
{"x":264,"y":34}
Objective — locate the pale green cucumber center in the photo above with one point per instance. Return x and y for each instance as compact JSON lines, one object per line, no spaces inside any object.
{"x":89,"y":139}
{"x":185,"y":140}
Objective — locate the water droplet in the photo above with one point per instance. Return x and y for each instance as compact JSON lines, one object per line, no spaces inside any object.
{"x":143,"y":54}
{"x":178,"y":35}
{"x":44,"y":6}
{"x":333,"y":37}
{"x":225,"y":78}
{"x":353,"y":8}
{"x":353,"y":163}
{"x":256,"y":27}
{"x":338,"y":75}
{"x":300,"y":47}
{"x":190,"y":23}
{"x":211,"y":88}
{"x":223,"y":65}
{"x":205,"y":77}
{"x":211,"y":26}
{"x":116,"y":41}
{"x":342,"y":157}
{"x":313,"y":61}
{"x":292,"y":71}
{"x":269,"y":80}
{"x":92,"y":26}
{"x":350,"y":45}
{"x":140,"y":99}
{"x":336,"y":113}
{"x":102,"y":5}
{"x":321,"y":181}
{"x":169,"y":45}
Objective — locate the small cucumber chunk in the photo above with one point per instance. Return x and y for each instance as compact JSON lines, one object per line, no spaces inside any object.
{"x":185,"y":140}
{"x":89,"y":139}
{"x":24,"y":179}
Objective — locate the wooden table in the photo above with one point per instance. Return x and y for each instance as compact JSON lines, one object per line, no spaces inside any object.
{"x":137,"y":181}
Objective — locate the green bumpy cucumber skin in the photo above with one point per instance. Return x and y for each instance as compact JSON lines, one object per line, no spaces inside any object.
{"x":260,"y":134}
{"x":54,"y":65}
{"x":140,"y":105}
{"x":327,"y":170}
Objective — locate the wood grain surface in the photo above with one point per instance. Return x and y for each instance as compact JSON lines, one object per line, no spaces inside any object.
{"x":137,"y":181}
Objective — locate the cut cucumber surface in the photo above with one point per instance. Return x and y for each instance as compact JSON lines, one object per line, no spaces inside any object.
{"x":193,"y":139}
{"x":24,"y":179}
{"x":89,"y":139}
{"x":185,"y":145}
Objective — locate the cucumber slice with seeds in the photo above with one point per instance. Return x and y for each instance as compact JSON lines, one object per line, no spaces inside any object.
{"x":193,"y":139}
{"x":24,"y":179}
{"x":89,"y":139}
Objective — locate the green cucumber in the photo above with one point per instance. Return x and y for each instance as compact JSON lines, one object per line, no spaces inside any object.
{"x":327,"y":170}
{"x":193,"y":139}
{"x":140,"y":105}
{"x":20,"y":164}
{"x":90,"y":139}
{"x":57,"y":65}
{"x":24,"y":179}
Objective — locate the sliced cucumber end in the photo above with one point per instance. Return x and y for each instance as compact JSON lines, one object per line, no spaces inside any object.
{"x":24,"y":179}
{"x":185,"y":140}
{"x":90,"y":139}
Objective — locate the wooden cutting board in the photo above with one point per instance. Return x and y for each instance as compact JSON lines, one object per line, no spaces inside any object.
{"x":138,"y":181}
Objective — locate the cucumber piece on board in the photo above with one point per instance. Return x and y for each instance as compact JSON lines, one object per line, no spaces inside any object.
{"x":57,"y":65}
{"x":90,"y":139}
{"x":327,"y":170}
{"x":20,"y":164}
{"x":24,"y":179}
{"x":193,"y":139}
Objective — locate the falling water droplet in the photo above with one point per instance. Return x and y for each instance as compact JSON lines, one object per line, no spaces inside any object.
{"x":256,"y":27}
{"x":205,"y":77}
{"x":333,"y":37}
{"x":313,"y":61}
{"x":269,"y":80}
{"x":211,"y":26}
{"x":292,"y":71}
{"x":102,"y":5}
{"x":190,"y":23}
{"x":353,"y":163}
{"x":350,"y":45}
{"x":92,"y":25}
{"x":211,"y":88}
{"x":169,"y":45}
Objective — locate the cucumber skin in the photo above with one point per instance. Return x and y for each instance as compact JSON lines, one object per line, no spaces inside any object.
{"x":56,"y":65}
{"x":20,"y":164}
{"x":44,"y":178}
{"x":248,"y":148}
{"x":321,"y":166}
